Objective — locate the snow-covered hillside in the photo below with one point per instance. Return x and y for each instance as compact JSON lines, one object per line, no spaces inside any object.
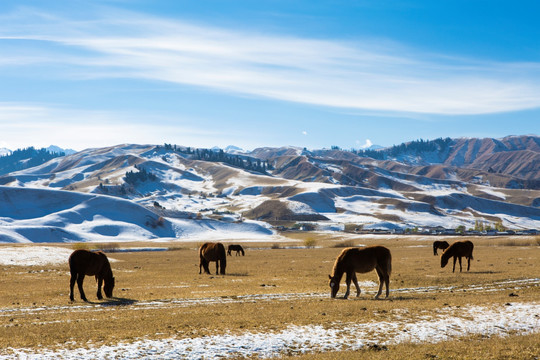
{"x":139,"y":192}
{"x":42,"y":215}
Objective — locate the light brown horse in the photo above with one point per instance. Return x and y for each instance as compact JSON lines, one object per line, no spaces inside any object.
{"x":84,"y":262}
{"x":212,"y":252}
{"x":458,"y":250}
{"x":362,"y":260}
{"x":443,"y":245}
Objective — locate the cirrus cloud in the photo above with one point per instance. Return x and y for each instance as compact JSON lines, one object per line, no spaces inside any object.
{"x":362,"y":75}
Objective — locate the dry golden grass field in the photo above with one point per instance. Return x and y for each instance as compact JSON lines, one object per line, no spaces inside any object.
{"x":274,"y":289}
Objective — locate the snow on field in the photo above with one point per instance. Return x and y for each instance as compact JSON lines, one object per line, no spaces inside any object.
{"x":38,"y":255}
{"x":444,"y":324}
{"x":34,"y":255}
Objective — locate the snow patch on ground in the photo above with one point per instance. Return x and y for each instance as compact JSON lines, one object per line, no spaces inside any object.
{"x":34,"y":255}
{"x":445,"y":324}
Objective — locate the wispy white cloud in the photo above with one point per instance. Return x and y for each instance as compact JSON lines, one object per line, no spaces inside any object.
{"x":41,"y":126}
{"x":363,"y":75}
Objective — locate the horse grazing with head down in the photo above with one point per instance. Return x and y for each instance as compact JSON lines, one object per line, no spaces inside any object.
{"x":443,"y":245}
{"x":212,"y":252}
{"x":238,"y":248}
{"x":458,"y":250}
{"x":362,"y":260}
{"x":84,"y":262}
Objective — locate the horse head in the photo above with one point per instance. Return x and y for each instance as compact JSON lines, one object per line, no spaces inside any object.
{"x":109,"y":286}
{"x":444,"y":260}
{"x":334,"y":286}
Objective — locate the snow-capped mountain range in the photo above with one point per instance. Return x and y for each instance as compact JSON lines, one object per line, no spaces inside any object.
{"x":138,"y":192}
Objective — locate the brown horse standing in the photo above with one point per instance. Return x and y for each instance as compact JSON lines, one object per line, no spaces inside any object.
{"x":362,"y":260}
{"x":212,"y":252}
{"x":84,"y":262}
{"x":458,"y":250}
{"x":443,"y":245}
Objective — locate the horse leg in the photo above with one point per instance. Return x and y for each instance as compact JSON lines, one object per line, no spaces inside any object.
{"x":72,"y":285}
{"x":355,"y":281}
{"x":80,"y":279}
{"x":468,"y":263}
{"x":381,"y":282}
{"x":386,"y":276}
{"x":217,"y":267}
{"x":100,"y":282}
{"x":460,"y":269}
{"x":348,"y":282}
{"x":204,"y":265}
{"x":454,"y":268}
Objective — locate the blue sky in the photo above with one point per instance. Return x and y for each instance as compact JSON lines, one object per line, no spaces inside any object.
{"x":313,"y":74}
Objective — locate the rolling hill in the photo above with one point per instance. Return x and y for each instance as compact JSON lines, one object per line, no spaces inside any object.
{"x":133,"y":192}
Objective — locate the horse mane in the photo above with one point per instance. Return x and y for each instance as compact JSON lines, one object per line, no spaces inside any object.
{"x":106,"y":271}
{"x":447,"y":253}
{"x":338,"y":270}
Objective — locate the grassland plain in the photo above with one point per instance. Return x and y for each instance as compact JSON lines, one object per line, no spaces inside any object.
{"x":160,"y":295}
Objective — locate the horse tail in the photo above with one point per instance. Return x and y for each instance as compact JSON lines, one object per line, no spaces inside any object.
{"x":201,"y":251}
{"x":202,"y":260}
{"x":70,"y":262}
{"x":389,"y":263}
{"x":222,"y":259}
{"x":471,"y":248}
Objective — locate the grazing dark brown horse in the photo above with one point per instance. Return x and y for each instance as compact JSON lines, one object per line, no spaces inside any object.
{"x":362,"y":260}
{"x":212,"y":252}
{"x":458,"y":250}
{"x":238,"y":248}
{"x":84,"y":262}
{"x":443,"y":245}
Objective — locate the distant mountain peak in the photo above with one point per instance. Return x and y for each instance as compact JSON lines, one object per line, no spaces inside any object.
{"x":58,"y":150}
{"x":232,"y":149}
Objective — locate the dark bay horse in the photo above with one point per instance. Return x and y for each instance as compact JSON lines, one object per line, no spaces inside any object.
{"x":212,"y":252}
{"x":238,"y":248}
{"x":84,"y":262}
{"x":362,"y":260}
{"x":458,"y":250}
{"x":443,"y":245}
